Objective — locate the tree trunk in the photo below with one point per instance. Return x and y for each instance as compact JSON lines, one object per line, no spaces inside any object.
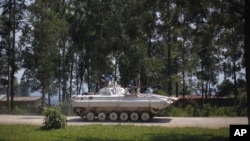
{"x":49,"y":102}
{"x":202,"y":81}
{"x":177,"y":89}
{"x":43,"y":96}
{"x":138,"y":83}
{"x":246,"y":55}
{"x":169,"y":71}
{"x":13,"y":68}
{"x":8,"y":89}
{"x":64,"y":77}
{"x":235,"y":91}
{"x":9,"y":58}
{"x":71,"y":74}
{"x":63,"y":40}
{"x":59,"y":89}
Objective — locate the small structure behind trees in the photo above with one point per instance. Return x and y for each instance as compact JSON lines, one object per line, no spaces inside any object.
{"x":22,"y":100}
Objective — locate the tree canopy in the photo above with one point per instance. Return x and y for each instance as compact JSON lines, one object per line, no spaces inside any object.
{"x":174,"y":46}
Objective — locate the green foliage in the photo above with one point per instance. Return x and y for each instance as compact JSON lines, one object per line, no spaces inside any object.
{"x":53,"y":119}
{"x":206,"y":109}
{"x":76,"y":41}
{"x":23,"y":110}
{"x":225,"y":88}
{"x":193,"y":109}
{"x":27,"y":109}
{"x":175,"y":111}
{"x":160,"y":92}
{"x":66,"y":108}
{"x":241,"y":104}
{"x":196,"y":111}
{"x":112,"y":133}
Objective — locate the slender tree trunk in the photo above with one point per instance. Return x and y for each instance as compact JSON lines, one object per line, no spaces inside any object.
{"x":183,"y":69}
{"x":234,"y":75}
{"x":77,"y":75}
{"x":13,"y":68}
{"x":202,"y":81}
{"x":246,"y":55}
{"x":177,"y":89}
{"x":8,"y":89}
{"x":49,"y":96}
{"x":59,"y":88}
{"x":60,"y":77}
{"x":64,"y":70}
{"x":64,"y":85}
{"x":9,"y":56}
{"x":138,"y":83}
{"x":87,"y":65}
{"x":184,"y":85}
{"x":43,"y":96}
{"x":43,"y":85}
{"x":169,"y":70}
{"x":206,"y":89}
{"x":71,"y":74}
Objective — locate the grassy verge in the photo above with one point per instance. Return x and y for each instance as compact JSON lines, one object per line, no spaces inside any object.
{"x":111,"y":133}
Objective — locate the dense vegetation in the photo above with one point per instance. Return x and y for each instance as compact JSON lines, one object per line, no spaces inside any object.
{"x":174,"y":46}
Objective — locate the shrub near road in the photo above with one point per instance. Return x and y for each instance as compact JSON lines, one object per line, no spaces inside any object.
{"x":53,"y":119}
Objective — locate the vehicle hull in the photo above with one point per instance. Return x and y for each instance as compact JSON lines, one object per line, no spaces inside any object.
{"x":151,"y":104}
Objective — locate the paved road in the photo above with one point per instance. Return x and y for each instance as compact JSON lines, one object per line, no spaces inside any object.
{"x":206,"y":122}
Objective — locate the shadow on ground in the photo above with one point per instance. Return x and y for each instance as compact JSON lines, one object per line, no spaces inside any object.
{"x":153,"y":121}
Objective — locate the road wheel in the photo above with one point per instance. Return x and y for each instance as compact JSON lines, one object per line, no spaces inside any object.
{"x":113,"y":116}
{"x":123,"y":116}
{"x":102,"y":116}
{"x":134,"y":116}
{"x":90,"y":116}
{"x":145,"y":116}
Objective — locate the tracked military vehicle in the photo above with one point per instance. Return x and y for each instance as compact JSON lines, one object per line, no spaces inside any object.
{"x":116,"y":103}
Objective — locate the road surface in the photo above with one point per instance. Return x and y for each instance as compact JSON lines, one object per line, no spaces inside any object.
{"x":206,"y":122}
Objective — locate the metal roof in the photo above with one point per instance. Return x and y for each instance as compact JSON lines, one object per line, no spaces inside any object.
{"x":23,"y":98}
{"x":2,"y":96}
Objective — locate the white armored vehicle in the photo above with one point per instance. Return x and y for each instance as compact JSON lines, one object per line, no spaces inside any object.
{"x":116,"y":103}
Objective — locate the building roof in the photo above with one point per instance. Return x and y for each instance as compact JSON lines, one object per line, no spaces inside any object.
{"x":22,"y":98}
{"x":2,"y":96}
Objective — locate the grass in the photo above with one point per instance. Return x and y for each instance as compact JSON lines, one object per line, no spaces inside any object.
{"x":111,"y":133}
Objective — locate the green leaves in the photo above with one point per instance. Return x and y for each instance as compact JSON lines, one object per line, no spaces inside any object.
{"x":69,"y":42}
{"x":53,"y":119}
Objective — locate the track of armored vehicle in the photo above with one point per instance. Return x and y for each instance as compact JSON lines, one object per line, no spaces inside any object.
{"x":116,"y":103}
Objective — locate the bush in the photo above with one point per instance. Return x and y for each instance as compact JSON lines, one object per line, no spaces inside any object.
{"x":240,"y":105}
{"x":161,"y":92}
{"x":206,"y":110}
{"x":53,"y":119}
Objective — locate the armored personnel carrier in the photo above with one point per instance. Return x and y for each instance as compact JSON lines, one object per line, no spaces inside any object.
{"x":116,"y":103}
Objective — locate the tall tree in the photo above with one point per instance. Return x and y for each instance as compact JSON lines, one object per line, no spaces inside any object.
{"x":13,"y":67}
{"x":64,"y":42}
{"x":168,"y":29}
{"x":230,"y":38}
{"x":5,"y":30}
{"x":13,"y":13}
{"x":43,"y":51}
